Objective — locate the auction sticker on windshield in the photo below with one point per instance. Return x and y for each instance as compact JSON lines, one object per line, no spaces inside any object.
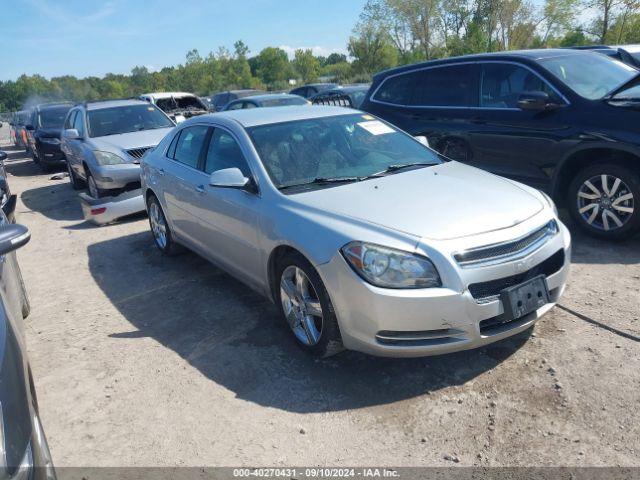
{"x":376,"y":127}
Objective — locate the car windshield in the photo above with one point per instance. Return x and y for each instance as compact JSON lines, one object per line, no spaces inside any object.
{"x":283,"y":102}
{"x":591,"y":76}
{"x":125,"y":119}
{"x":344,"y":146}
{"x":52,"y":117}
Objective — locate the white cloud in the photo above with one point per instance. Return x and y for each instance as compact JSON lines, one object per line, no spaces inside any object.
{"x":318,"y":50}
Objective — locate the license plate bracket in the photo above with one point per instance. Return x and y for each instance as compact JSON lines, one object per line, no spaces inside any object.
{"x":522,"y":299}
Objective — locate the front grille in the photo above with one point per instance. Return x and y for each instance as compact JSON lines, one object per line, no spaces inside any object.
{"x":138,"y":153}
{"x":336,"y":100}
{"x":509,"y":250}
{"x":484,"y":292}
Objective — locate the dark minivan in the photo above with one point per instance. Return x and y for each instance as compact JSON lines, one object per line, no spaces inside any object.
{"x":564,"y":121}
{"x":45,"y":129}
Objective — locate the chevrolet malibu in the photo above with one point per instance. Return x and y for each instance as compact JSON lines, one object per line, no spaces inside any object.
{"x":365,"y":238}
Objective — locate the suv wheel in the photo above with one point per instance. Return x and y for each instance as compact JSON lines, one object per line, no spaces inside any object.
{"x":603,"y":200}
{"x":160,"y":229}
{"x":306,"y":307}
{"x":76,"y":183}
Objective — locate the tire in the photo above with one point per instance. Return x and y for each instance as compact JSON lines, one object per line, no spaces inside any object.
{"x":76,"y":183}
{"x":94,"y":191}
{"x":603,"y":200}
{"x":326,"y":340}
{"x":166,"y":244}
{"x":35,"y":157}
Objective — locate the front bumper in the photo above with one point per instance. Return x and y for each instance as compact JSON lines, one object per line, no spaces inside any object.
{"x":422,"y":322}
{"x":50,"y":153}
{"x":110,"y":177}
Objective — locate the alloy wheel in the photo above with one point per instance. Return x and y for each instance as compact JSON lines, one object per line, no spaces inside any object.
{"x":605,"y":202}
{"x":301,"y":305}
{"x":158,"y":225}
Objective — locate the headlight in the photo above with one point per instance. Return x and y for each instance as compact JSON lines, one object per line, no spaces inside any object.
{"x":550,"y":202}
{"x":108,"y":158}
{"x":50,"y":141}
{"x":390,"y":268}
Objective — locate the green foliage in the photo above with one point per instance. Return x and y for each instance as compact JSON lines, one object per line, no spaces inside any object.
{"x":273,"y":66}
{"x":306,"y":65}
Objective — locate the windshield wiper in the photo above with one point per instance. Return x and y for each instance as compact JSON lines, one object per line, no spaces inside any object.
{"x":323,"y":181}
{"x":395,"y":168}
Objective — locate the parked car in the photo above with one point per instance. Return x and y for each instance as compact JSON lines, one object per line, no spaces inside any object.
{"x":560,"y":120}
{"x":311,"y":89}
{"x":220,"y":99}
{"x":24,"y":453}
{"x":104,"y":142}
{"x":7,"y":199}
{"x":178,"y":105}
{"x":266,"y":100}
{"x":18,"y":133}
{"x":363,"y":237}
{"x":44,"y":128}
{"x":345,"y":96}
{"x":629,"y":54}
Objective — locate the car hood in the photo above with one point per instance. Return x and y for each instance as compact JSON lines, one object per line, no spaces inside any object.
{"x":126,"y":141}
{"x":49,"y":132}
{"x":443,"y":202}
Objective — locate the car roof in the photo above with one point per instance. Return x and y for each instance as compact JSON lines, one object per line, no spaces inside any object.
{"x":267,"y":96}
{"x":345,"y":89}
{"x":53,"y":105}
{"x":532,"y":55}
{"x":113,"y":103}
{"x":264,"y":116}
{"x":168,"y":94}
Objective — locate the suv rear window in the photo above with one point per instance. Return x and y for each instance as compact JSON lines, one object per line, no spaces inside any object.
{"x":447,"y":86}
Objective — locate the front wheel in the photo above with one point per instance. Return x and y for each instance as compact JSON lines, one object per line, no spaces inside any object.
{"x":306,"y":307}
{"x":603,"y":198}
{"x":76,"y":183}
{"x":94,"y":191}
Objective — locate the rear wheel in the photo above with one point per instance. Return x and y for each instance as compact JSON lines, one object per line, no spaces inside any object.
{"x":160,"y":229}
{"x":306,"y":307}
{"x":603,"y":200}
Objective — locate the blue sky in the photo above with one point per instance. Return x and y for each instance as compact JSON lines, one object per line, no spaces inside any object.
{"x":90,"y":37}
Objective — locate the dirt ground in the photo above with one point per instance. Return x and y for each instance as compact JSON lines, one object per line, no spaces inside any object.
{"x":142,"y":360}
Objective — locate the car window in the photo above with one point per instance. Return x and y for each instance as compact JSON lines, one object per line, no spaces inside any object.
{"x":452,"y":86}
{"x":501,"y":85}
{"x":235,"y":106}
{"x":171,"y":151}
{"x":126,"y":119}
{"x":249,"y":105}
{"x":189,"y":145}
{"x":302,"y":91}
{"x":224,"y":152}
{"x":52,"y":117}
{"x":78,"y":123}
{"x":68,"y":123}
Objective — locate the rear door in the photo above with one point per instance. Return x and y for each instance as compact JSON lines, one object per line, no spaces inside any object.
{"x":438,"y":102}
{"x":510,"y":141}
{"x":181,"y":181}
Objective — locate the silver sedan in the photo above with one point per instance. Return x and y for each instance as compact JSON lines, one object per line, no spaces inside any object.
{"x":364,"y":237}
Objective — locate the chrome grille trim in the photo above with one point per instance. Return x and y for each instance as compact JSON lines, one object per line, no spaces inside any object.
{"x":138,"y":153}
{"x":507,"y":251}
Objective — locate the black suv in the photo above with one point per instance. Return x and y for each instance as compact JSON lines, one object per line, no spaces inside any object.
{"x":564,"y":121}
{"x":44,"y":130}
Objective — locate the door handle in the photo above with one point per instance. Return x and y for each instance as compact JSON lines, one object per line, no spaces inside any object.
{"x":200,"y":189}
{"x":161,"y":171}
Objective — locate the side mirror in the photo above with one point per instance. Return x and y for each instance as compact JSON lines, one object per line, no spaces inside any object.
{"x":228,"y":178}
{"x":29,"y":127}
{"x":534,"y":101}
{"x":71,"y":134}
{"x":423,"y":140}
{"x":12,"y":237}
{"x":3,"y":156}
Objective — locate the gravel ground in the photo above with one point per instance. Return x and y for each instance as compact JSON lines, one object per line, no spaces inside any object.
{"x":141,"y":360}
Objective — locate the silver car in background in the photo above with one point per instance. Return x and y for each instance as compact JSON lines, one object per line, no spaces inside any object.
{"x":104,"y":142}
{"x":364,"y":237}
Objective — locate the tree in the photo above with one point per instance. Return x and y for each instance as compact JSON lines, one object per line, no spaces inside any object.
{"x":273,"y":65}
{"x":372,"y":51}
{"x":306,"y":65}
{"x":335,"y":58}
